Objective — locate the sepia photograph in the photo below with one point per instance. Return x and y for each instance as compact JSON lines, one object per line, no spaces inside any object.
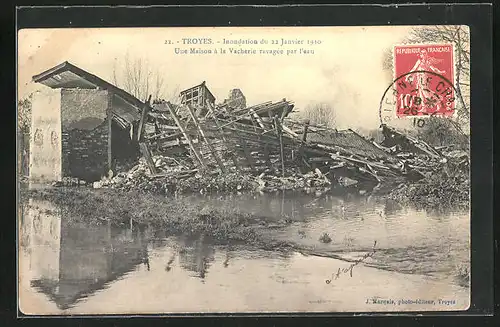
{"x":182,"y":170}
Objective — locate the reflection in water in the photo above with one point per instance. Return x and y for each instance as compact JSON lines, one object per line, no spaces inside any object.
{"x":169,"y":263}
{"x":69,"y":261}
{"x":392,"y":208}
{"x":195,"y":254}
{"x":279,"y":206}
{"x":226,"y":261}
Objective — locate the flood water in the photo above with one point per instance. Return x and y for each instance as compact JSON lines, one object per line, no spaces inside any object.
{"x":401,"y":253}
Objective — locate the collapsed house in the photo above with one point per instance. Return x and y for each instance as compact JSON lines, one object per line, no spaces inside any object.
{"x":104,"y":131}
{"x":258,"y":139}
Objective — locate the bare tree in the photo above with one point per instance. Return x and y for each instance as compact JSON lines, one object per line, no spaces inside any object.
{"x":23,"y":133}
{"x":438,"y":132}
{"x":320,"y":114}
{"x":137,"y":77}
{"x":173,"y":96}
{"x":24,"y":115}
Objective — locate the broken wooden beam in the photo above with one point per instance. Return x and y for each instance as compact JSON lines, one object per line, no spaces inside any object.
{"x":216,"y":121}
{"x":277,"y":124}
{"x":186,"y":136}
{"x":301,"y":148}
{"x":147,"y":156}
{"x":110,"y":143}
{"x":142,"y":122}
{"x":320,"y":159}
{"x":257,"y":118}
{"x":207,"y":142}
{"x":177,"y":142}
{"x":289,"y":131}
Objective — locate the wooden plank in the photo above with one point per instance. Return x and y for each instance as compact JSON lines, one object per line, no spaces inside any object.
{"x":186,"y":136}
{"x":284,"y":112}
{"x":207,"y":142}
{"x":256,"y":135}
{"x":164,"y":137}
{"x":289,"y":131}
{"x":280,"y":136}
{"x":110,"y":153}
{"x":245,"y":110}
{"x":147,"y":155}
{"x":257,"y":118}
{"x":253,"y":140}
{"x":320,"y":159}
{"x":308,"y":165}
{"x":235,"y":119}
{"x":144,"y":115}
{"x":170,"y":127}
{"x":253,"y":124}
{"x":301,"y":149}
{"x":157,"y":127}
{"x":216,"y":121}
{"x":360,"y":161}
{"x":233,"y":133}
{"x":374,"y":173}
{"x":169,"y":144}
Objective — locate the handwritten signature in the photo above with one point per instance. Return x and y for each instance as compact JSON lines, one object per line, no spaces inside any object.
{"x":349,"y":269}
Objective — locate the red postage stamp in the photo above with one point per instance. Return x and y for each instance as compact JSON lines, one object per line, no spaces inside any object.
{"x":424,"y":80}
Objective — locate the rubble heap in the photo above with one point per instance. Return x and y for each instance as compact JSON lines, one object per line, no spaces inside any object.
{"x":197,"y":140}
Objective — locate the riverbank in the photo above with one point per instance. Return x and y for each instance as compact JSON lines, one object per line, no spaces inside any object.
{"x":442,"y":188}
{"x":97,"y":207}
{"x":436,"y":192}
{"x":227,"y":222}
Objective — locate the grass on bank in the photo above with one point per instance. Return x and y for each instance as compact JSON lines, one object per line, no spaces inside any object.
{"x":175,"y":215}
{"x":437,"y":192}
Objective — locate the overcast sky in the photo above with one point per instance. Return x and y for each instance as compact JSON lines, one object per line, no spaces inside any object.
{"x":345,"y":71}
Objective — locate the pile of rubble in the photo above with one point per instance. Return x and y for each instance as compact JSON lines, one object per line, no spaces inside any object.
{"x":313,"y":180}
{"x":70,"y":181}
{"x":200,"y":146}
{"x":445,"y":183}
{"x":140,"y":175}
{"x":259,"y":139}
{"x":140,"y":178}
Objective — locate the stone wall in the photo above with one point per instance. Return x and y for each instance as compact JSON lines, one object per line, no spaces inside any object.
{"x":84,"y":133}
{"x":85,"y":153}
{"x":45,"y":143}
{"x":83,"y":108}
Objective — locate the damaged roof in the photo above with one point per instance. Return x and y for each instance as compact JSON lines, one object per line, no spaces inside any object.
{"x":69,"y":76}
{"x":349,"y":140}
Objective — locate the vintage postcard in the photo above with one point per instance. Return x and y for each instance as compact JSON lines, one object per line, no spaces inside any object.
{"x":243,"y":170}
